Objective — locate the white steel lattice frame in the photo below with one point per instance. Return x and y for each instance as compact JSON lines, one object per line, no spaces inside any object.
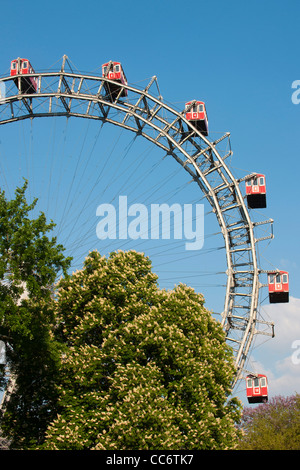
{"x":65,"y":93}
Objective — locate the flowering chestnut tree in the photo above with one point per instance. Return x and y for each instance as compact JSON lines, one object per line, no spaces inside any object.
{"x":141,"y":368}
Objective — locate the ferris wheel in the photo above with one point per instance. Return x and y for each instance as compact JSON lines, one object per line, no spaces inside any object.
{"x":183,"y":137}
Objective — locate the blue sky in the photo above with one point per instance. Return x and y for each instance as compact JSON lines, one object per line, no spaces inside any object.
{"x":241,"y":59}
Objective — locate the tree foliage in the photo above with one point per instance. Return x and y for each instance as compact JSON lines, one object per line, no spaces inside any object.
{"x":142,"y":368}
{"x":29,"y":264}
{"x":272,"y":426}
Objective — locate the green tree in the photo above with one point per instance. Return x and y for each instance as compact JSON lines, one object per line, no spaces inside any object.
{"x":29,"y":264}
{"x":142,"y":368}
{"x":272,"y":426}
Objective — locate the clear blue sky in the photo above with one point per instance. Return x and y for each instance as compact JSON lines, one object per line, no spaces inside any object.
{"x":240,"y":58}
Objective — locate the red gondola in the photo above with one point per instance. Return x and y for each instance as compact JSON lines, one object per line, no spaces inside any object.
{"x":114,"y":71}
{"x":257,"y":388}
{"x":23,"y":67}
{"x":256,"y":192}
{"x":278,"y":287}
{"x":195,"y":112}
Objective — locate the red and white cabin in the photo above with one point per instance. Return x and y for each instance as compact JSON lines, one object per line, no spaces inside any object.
{"x":256,"y":191}
{"x":278,"y":287}
{"x":195,"y":112}
{"x":23,"y":67}
{"x":257,"y":388}
{"x":114,"y":71}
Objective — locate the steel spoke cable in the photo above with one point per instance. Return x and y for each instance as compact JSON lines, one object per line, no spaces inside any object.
{"x":125,"y":243}
{"x":89,"y":229}
{"x":78,"y":161}
{"x":154,"y":188}
{"x":75,"y":219}
{"x":73,"y":178}
{"x":164,"y":181}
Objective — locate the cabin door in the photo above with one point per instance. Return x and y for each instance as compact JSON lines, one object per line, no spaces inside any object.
{"x":256,"y":387}
{"x":278,"y":284}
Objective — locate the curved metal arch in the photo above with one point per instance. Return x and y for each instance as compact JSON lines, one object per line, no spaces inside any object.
{"x":74,"y":94}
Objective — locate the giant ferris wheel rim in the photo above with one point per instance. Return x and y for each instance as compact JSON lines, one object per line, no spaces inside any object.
{"x":173,"y":134}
